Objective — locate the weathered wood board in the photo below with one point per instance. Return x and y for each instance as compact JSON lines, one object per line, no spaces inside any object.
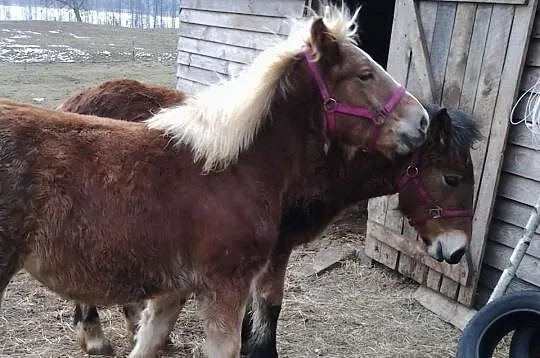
{"x":470,"y":55}
{"x":218,"y":38}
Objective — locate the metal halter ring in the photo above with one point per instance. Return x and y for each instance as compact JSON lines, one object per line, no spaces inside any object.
{"x":330,"y":105}
{"x":378,"y":119}
{"x":412,"y":171}
{"x":436,"y":212}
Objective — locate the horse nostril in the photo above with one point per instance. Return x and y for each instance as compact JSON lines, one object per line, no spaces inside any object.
{"x":456,"y":256}
{"x":424,"y":124}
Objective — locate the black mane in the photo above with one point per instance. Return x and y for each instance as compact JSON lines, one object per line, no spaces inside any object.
{"x":465,"y":132}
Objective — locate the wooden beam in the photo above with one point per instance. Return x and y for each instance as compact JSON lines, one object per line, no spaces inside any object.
{"x":506,"y":2}
{"x":509,"y":235}
{"x":239,"y":38}
{"x":217,"y":50}
{"x":272,"y":25}
{"x":415,"y":250}
{"x":278,"y":8}
{"x":448,"y":310}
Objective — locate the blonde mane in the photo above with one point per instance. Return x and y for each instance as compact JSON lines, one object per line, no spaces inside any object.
{"x":220,"y":122}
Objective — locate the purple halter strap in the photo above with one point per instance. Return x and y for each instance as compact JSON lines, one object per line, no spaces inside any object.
{"x":331,"y":105}
{"x":432,"y":211}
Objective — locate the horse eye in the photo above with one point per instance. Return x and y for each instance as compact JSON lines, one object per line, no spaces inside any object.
{"x":452,"y":180}
{"x":365,"y":76}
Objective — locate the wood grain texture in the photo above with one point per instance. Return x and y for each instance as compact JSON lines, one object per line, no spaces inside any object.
{"x":278,"y":8}
{"x":272,"y":25}
{"x":521,"y":24}
{"x":443,"y":33}
{"x":497,"y":256}
{"x":509,"y":235}
{"x":239,"y":38}
{"x":522,"y":161}
{"x":416,"y":250}
{"x":217,"y":50}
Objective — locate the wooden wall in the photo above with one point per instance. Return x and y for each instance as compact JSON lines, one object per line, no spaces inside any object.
{"x":519,"y":188}
{"x":469,"y":55}
{"x":217,"y":37}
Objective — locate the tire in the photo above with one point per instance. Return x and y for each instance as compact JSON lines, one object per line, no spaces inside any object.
{"x":495,"y":320}
{"x":525,"y":343}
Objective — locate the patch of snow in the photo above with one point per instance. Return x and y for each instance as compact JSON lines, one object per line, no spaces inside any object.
{"x":38,"y":99}
{"x":55,"y":31}
{"x":6,"y":30}
{"x":112,"y":45}
{"x":20,"y":37}
{"x":78,"y":37}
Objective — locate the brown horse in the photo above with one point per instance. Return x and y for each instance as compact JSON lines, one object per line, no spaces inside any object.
{"x":445,"y":171}
{"x":191,"y":201}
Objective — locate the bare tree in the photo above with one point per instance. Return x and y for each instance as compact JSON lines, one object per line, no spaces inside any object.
{"x":75,"y":5}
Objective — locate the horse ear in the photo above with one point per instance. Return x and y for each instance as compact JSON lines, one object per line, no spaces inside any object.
{"x":324,"y":43}
{"x":441,"y":128}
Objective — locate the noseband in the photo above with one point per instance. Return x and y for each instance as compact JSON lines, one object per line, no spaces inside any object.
{"x":431,"y":210}
{"x":331,"y":105}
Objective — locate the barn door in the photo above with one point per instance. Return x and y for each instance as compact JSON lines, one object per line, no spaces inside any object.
{"x":467,"y":55}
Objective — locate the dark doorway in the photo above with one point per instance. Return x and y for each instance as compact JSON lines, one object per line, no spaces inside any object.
{"x":375,"y":27}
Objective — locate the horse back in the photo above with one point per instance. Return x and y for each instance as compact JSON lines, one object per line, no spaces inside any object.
{"x":89,"y":198}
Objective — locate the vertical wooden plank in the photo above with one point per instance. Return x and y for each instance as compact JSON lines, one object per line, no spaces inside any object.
{"x":377,"y":209}
{"x":489,"y":83}
{"x":433,"y":280}
{"x":459,"y":49}
{"x":444,"y":24}
{"x":411,"y":268}
{"x":475,"y":57}
{"x":394,"y":219}
{"x":449,"y":288}
{"x":420,"y":80}
{"x":428,"y":15}
{"x":399,"y":61}
{"x":523,"y":18}
{"x":388,"y":256}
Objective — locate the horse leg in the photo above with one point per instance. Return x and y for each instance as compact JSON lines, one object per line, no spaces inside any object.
{"x":267,"y":297}
{"x":89,"y":331}
{"x":157,"y":320}
{"x":132,"y":314}
{"x":222,"y":314}
{"x":9,"y":266}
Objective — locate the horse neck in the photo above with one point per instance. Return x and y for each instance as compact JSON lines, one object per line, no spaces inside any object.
{"x":291,"y":142}
{"x":365,"y":176}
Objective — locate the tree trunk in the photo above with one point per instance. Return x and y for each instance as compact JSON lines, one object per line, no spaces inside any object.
{"x":77,"y":12}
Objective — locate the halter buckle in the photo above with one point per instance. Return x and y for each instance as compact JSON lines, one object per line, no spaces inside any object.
{"x":412,"y":171}
{"x":330,"y":105}
{"x":378,"y":118}
{"x":436,"y":212}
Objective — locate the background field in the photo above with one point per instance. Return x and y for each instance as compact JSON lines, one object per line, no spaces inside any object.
{"x":352,"y":310}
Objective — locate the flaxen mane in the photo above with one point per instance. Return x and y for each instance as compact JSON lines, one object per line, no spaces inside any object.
{"x":222,"y":121}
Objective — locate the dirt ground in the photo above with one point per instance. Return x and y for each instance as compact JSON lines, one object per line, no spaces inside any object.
{"x":352,"y":310}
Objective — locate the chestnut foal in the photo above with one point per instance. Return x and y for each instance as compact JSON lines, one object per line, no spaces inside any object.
{"x":439,"y":175}
{"x":191,"y":201}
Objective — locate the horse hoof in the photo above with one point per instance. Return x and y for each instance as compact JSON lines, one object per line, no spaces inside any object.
{"x":102,"y":347}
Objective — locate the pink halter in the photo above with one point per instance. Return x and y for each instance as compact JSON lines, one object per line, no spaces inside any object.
{"x":433,"y":211}
{"x":331,"y":105}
